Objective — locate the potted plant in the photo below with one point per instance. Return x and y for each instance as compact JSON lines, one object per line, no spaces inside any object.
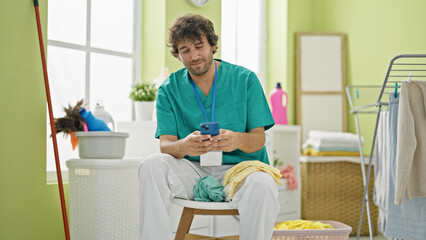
{"x":143,"y":95}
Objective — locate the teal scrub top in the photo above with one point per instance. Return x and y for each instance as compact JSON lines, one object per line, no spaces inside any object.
{"x":240,"y":107}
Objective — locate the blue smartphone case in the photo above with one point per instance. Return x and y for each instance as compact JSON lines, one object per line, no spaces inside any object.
{"x":211,"y":128}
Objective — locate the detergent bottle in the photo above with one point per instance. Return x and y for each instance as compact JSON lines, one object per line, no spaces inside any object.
{"x":279,"y":110}
{"x":99,"y":112}
{"x":93,"y":123}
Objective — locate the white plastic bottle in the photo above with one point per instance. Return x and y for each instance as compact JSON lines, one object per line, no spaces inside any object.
{"x":100,"y":113}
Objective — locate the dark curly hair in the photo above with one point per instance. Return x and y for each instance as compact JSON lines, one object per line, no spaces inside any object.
{"x":192,"y":27}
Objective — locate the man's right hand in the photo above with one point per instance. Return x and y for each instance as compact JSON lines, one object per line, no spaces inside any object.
{"x":194,"y":145}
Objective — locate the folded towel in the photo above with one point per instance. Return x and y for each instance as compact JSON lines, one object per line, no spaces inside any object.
{"x":208,"y":189}
{"x":333,"y":137}
{"x":313,"y":152}
{"x":333,"y":149}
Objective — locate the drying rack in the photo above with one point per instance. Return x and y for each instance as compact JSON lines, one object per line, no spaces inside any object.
{"x":401,"y":68}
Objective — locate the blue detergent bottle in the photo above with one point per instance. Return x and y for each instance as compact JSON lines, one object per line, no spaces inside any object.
{"x":93,"y":123}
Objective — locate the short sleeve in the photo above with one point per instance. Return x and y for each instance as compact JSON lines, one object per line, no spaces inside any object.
{"x":166,"y":120}
{"x":258,"y":112}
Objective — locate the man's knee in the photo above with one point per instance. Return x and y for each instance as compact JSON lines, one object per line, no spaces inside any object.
{"x":153,"y":163}
{"x":263,"y":182}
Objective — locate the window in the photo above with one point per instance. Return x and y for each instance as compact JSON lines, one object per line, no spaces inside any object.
{"x":244,"y":35}
{"x":93,"y":53}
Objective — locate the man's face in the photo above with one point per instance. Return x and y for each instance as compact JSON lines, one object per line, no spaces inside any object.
{"x":196,"y":55}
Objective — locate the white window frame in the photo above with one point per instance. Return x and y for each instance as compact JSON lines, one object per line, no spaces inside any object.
{"x":231,"y":22}
{"x":51,"y":176}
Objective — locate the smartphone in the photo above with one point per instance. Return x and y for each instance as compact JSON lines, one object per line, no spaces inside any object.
{"x":211,"y":128}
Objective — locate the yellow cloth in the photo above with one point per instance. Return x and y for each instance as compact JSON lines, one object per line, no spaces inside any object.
{"x":313,"y":152}
{"x":239,"y":172}
{"x":302,"y":224}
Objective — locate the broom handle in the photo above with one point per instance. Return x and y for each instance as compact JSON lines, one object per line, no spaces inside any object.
{"x":52,"y":123}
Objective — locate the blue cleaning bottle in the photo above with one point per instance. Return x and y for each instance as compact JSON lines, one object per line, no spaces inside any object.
{"x":93,"y":123}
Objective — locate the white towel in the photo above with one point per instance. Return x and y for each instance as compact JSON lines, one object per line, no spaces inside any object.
{"x":334,"y":137}
{"x":381,"y":165}
{"x":318,"y":143}
{"x":411,"y":144}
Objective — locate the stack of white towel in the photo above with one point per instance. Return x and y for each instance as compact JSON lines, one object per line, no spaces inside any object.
{"x":323,"y":143}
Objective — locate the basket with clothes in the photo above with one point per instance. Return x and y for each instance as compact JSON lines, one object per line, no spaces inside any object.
{"x":313,"y":230}
{"x":332,"y":182}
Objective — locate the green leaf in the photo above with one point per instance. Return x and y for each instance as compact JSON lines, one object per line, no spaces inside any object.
{"x":143,"y":92}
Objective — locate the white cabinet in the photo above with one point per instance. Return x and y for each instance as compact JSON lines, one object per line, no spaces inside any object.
{"x":282,"y":142}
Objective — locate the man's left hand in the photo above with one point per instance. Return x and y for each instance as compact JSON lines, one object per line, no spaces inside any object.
{"x":226,"y":141}
{"x":248,"y":142}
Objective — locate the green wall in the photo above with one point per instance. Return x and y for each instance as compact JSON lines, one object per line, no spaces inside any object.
{"x":299,"y":18}
{"x":153,"y":39}
{"x":29,"y":209}
{"x":376,"y":31}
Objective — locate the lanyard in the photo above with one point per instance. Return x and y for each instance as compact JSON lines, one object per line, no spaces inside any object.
{"x":214,"y":94}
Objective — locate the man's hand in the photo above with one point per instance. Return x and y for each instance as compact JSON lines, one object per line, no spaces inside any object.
{"x":226,"y":141}
{"x":249,"y":142}
{"x":194,"y":144}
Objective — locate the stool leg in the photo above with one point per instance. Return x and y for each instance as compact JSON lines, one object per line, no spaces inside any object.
{"x":236,"y":237}
{"x":184,"y":223}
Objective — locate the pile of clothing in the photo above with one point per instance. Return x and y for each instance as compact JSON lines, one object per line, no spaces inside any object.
{"x":302,"y":224}
{"x":323,"y":143}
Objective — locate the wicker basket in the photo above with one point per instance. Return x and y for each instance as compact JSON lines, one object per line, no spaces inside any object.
{"x":340,"y":231}
{"x":333,"y":190}
{"x":103,"y":199}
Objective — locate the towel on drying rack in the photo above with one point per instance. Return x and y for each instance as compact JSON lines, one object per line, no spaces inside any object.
{"x":407,"y":221}
{"x":411,"y":147}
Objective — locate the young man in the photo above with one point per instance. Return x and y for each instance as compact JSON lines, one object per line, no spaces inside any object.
{"x":207,"y":90}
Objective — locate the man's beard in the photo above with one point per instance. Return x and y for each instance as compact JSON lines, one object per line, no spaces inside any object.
{"x":208,"y":63}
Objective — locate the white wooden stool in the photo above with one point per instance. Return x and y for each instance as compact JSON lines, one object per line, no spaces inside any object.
{"x":191,"y":208}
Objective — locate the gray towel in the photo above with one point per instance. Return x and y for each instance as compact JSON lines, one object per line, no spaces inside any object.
{"x":411,"y":147}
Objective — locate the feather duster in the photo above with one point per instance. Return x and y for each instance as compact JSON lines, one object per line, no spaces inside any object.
{"x":72,"y":121}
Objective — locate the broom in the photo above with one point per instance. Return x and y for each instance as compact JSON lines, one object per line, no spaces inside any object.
{"x":52,"y":123}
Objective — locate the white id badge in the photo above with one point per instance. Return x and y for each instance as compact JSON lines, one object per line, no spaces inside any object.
{"x":213,"y":158}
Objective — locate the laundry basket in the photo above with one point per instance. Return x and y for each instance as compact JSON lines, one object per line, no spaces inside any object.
{"x":332,"y":188}
{"x":103,"y":199}
{"x":340,"y":231}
